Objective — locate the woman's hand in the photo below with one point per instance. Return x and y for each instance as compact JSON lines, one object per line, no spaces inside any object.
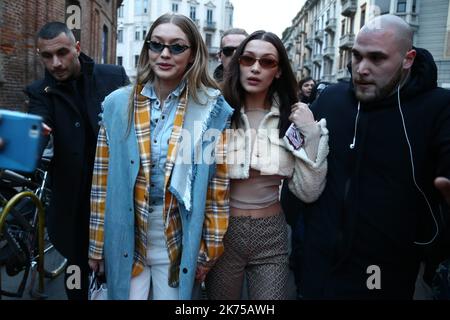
{"x":97,"y":266}
{"x":301,"y":115}
{"x":201,"y":273}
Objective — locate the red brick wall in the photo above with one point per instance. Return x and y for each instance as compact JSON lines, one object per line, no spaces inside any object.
{"x":95,"y":15}
{"x":19,"y":22}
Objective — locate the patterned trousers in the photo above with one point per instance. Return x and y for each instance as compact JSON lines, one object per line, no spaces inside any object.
{"x":258,"y":248}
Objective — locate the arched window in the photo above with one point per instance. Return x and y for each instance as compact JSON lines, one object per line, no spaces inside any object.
{"x":105,"y":44}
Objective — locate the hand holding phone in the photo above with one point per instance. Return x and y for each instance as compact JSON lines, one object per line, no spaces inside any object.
{"x":21,"y":135}
{"x":293,"y":137}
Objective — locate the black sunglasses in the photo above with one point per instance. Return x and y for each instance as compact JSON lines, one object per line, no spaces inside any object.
{"x":159,"y":47}
{"x":265,"y":63}
{"x":228,"y":51}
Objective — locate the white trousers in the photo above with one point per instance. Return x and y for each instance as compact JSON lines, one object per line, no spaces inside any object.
{"x":156,"y":272}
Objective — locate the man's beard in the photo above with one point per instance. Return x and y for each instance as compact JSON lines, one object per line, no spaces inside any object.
{"x":381,"y":93}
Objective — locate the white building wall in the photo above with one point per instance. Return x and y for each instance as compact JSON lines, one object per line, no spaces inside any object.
{"x":131,"y":22}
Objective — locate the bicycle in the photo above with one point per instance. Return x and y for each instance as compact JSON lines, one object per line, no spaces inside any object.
{"x":23,"y":238}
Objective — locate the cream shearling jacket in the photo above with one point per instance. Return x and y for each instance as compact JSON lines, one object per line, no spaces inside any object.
{"x":274,"y":156}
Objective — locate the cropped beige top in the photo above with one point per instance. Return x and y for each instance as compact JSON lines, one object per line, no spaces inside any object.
{"x":259,"y":190}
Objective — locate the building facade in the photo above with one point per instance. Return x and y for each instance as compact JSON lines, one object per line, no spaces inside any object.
{"x":20,"y":20}
{"x":135,"y":17}
{"x":322,"y":34}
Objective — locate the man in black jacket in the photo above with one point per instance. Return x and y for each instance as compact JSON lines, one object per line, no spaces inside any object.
{"x":69,"y":100}
{"x":389,"y":140}
{"x":230,"y":40}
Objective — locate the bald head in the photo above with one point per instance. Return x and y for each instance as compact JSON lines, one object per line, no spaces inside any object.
{"x":393,"y":25}
{"x":382,"y":58}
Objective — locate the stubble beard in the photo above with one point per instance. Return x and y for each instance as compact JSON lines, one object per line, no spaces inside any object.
{"x":378,"y":93}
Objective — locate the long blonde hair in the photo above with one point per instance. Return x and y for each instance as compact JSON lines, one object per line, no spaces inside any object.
{"x":196,"y":74}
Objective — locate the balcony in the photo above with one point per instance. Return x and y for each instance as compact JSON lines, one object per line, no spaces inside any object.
{"x":319,"y":35}
{"x":343,"y":74}
{"x":328,"y":52}
{"x":309,"y":43}
{"x":347,"y":40}
{"x":330,"y":25}
{"x":210,"y":26}
{"x":348,"y":7}
{"x":307,"y":64}
{"x":317,"y":58}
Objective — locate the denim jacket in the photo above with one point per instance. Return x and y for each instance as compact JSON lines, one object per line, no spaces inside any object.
{"x":122,"y":174}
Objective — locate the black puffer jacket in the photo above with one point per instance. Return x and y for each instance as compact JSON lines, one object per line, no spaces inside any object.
{"x":370,"y":212}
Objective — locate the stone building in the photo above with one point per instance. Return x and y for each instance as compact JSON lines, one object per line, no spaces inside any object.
{"x":21,"y":19}
{"x":322,"y":34}
{"x":212,"y":17}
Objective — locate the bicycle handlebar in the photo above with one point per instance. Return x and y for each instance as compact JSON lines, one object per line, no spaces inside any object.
{"x":18,"y":178}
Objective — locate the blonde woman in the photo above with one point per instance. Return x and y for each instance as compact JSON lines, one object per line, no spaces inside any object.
{"x":158,"y":214}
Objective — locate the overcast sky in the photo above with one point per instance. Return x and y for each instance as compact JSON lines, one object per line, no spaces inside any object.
{"x":270,"y":15}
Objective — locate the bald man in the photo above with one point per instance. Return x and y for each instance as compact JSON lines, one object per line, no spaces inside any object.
{"x":383,"y":204}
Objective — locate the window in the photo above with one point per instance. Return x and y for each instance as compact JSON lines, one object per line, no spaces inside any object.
{"x":120,"y":36}
{"x":120,"y":11}
{"x":341,"y":59}
{"x":317,"y":71}
{"x":192,"y":13}
{"x":362,"y":22}
{"x":137,"y":34}
{"x":208,"y":40}
{"x":174,"y":7}
{"x":145,"y":6}
{"x":105,"y":44}
{"x":136,"y":60}
{"x":414,"y":6}
{"x":348,"y":55}
{"x":138,"y":10}
{"x":343,"y":27}
{"x":144,"y":33}
{"x":120,"y":61}
{"x":401,"y":6}
{"x":209,"y":16}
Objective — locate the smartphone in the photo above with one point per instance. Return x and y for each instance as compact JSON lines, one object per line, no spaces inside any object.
{"x":293,"y":137}
{"x":21,"y":134}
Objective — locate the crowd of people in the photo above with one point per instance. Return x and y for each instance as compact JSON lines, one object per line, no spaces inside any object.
{"x":183,"y":178}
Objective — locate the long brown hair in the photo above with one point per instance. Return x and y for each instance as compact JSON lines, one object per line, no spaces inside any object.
{"x":285,"y":87}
